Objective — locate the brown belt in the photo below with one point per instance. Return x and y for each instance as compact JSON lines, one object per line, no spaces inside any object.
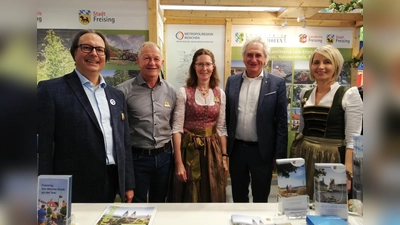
{"x":148,"y":152}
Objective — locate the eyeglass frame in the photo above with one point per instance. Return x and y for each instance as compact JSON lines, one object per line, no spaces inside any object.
{"x":93,"y":47}
{"x":207,"y":65}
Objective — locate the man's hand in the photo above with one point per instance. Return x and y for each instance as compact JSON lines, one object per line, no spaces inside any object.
{"x":129,"y":196}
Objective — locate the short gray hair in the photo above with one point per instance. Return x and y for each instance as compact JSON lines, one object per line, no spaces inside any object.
{"x":257,"y":39}
{"x":149,"y":43}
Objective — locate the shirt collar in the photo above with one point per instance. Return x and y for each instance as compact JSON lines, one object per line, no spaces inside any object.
{"x":334,"y":85}
{"x":259,"y":77}
{"x":86,"y":82}
{"x":141,"y":81}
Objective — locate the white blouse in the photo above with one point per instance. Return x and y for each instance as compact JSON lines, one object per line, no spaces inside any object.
{"x":351,"y":104}
{"x":179,"y":113}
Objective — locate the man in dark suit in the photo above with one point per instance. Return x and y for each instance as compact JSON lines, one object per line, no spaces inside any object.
{"x":83,"y":129}
{"x":256,"y":117}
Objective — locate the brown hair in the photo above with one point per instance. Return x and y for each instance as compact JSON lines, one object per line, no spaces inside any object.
{"x":191,"y":81}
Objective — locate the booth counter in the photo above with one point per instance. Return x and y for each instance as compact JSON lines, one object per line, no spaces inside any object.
{"x":193,"y":213}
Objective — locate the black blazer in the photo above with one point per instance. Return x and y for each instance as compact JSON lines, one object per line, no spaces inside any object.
{"x":71,"y":141}
{"x":272,"y":128}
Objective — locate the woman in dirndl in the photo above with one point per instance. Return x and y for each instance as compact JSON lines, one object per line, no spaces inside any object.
{"x":331,"y":115}
{"x":199,"y":135}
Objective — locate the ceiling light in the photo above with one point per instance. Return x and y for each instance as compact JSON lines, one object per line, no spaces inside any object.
{"x":304,"y":24}
{"x":220,"y":8}
{"x":300,"y":18}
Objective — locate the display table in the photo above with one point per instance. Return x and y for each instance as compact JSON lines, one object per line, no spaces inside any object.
{"x":192,"y":213}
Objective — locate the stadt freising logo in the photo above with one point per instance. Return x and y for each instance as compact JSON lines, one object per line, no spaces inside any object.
{"x":303,"y":38}
{"x":239,"y":37}
{"x":84,"y":16}
{"x":179,"y":35}
{"x":330,"y":38}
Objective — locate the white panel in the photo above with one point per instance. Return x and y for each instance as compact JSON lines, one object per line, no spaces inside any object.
{"x":298,"y":36}
{"x":182,"y":41}
{"x":160,"y":27}
{"x":103,"y":14}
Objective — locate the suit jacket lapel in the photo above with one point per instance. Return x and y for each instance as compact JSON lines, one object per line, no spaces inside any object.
{"x":114,"y":111}
{"x":265,"y":88}
{"x":76,"y":85}
{"x":236,"y":89}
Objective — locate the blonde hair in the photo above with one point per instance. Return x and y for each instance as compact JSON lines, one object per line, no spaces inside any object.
{"x":333,"y":54}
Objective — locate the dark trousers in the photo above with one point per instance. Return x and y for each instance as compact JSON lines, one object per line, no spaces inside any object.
{"x":111,"y":187}
{"x":245,"y":166}
{"x":152,"y":175}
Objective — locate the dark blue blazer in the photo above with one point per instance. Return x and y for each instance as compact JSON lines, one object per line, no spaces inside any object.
{"x":272,"y":128}
{"x":71,"y":141}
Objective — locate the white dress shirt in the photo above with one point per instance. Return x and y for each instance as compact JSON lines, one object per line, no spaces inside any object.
{"x":246,"y":128}
{"x":98,"y":101}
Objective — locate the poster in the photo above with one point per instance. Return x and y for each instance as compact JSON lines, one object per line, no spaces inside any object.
{"x":182,"y":41}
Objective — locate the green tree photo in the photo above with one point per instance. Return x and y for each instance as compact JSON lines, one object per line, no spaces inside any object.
{"x":285,"y":170}
{"x":49,"y":211}
{"x":55,"y":60}
{"x":320,"y":172}
{"x":118,"y":77}
{"x":63,"y":211}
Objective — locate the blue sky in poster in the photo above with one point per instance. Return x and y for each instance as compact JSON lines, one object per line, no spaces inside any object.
{"x":237,"y":63}
{"x":107,"y":73}
{"x":296,"y":179}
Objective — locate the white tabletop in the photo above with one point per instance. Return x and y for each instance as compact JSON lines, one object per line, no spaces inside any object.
{"x":192,"y":213}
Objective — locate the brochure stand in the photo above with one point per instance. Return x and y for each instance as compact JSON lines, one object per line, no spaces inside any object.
{"x":294,"y":207}
{"x":356,"y":204}
{"x":357,"y":177}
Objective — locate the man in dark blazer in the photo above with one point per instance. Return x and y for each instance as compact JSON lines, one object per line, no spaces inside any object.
{"x":256,"y":115}
{"x":83,"y":129}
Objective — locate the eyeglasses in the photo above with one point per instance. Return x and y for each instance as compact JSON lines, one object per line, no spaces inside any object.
{"x":204,"y":64}
{"x":88,"y":49}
